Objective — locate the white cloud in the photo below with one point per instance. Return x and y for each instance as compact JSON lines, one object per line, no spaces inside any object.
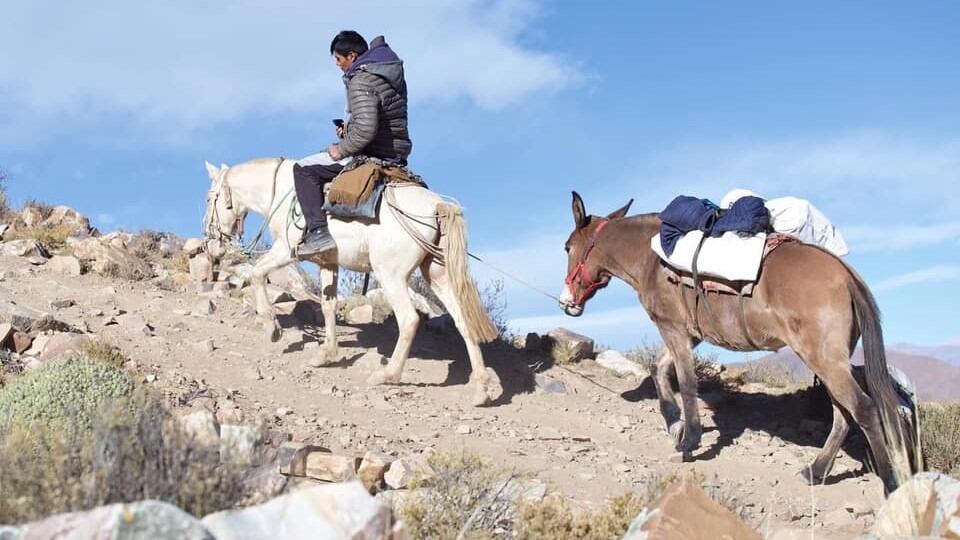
{"x":893,"y":238}
{"x":940,"y":272}
{"x":866,"y":179}
{"x":179,"y":65}
{"x":105,"y":220}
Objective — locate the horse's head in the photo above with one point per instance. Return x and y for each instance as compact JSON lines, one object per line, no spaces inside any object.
{"x":585,"y":273}
{"x":223,"y":219}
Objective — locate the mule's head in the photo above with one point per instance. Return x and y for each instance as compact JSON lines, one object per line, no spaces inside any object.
{"x":585,"y":272}
{"x":223,"y":219}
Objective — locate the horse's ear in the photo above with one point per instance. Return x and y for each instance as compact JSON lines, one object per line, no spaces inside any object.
{"x":223,"y":167}
{"x":620,"y":212}
{"x":212,"y":170}
{"x":579,"y":212}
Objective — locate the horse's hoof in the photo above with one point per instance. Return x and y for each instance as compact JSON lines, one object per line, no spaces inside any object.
{"x":481,"y":396}
{"x":274,"y":332}
{"x":381,"y":376}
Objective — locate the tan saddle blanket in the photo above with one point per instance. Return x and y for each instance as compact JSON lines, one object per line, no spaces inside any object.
{"x":354,"y":186}
{"x":712,"y":284}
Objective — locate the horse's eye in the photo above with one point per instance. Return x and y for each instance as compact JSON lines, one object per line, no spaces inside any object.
{"x":566,"y":248}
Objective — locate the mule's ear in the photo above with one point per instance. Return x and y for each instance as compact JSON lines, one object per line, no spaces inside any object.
{"x":212,"y":170}
{"x":579,"y":212}
{"x":620,"y":212}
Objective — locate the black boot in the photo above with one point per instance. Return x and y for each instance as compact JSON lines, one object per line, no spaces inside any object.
{"x":317,"y":240}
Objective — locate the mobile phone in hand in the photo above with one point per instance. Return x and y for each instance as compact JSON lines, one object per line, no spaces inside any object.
{"x":338,"y":122}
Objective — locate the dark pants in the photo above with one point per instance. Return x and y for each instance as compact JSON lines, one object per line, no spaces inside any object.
{"x":309,"y":182}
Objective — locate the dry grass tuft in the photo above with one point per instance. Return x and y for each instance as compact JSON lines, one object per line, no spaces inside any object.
{"x":105,"y":352}
{"x":940,"y":437}
{"x":553,"y":517}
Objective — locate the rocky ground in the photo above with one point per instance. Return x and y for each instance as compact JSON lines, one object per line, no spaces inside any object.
{"x":580,"y":428}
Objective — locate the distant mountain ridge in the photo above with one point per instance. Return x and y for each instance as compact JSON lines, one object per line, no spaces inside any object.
{"x":948,"y":353}
{"x":936,"y":379}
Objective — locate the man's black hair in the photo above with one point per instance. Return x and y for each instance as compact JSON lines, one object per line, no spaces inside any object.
{"x":347,"y":42}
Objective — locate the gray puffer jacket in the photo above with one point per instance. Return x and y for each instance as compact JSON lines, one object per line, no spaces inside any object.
{"x":377,"y":103}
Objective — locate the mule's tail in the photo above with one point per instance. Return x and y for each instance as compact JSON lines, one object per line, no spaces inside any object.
{"x":901,"y":443}
{"x":453,"y":241}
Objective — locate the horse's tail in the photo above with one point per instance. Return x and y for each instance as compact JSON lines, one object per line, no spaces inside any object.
{"x":453,"y":241}
{"x":901,"y":444}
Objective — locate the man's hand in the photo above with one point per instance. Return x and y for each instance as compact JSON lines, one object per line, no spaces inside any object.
{"x":340,"y":132}
{"x":334,"y":151}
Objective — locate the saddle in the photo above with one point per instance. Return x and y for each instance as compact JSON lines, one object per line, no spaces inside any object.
{"x":358,"y":189}
{"x":739,"y":288}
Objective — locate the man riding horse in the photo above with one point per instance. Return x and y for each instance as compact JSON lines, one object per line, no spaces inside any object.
{"x":376,"y":127}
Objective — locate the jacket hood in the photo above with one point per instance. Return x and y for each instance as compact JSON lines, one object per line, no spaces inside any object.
{"x":381,"y":61}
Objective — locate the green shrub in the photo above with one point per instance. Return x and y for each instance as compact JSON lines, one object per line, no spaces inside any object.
{"x":79,"y":434}
{"x":940,"y":437}
{"x":66,"y":394}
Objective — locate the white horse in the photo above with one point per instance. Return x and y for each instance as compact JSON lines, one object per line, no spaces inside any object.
{"x":385,"y":246}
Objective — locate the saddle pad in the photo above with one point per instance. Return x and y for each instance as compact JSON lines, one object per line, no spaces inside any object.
{"x":718,"y":285}
{"x":367,"y":209}
{"x":354,"y":186}
{"x":729,"y":256}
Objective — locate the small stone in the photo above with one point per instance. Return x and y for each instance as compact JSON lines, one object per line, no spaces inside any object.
{"x":192,"y":246}
{"x":252,"y":373}
{"x":331,"y":467}
{"x":360,"y":315}
{"x":36,"y":260}
{"x":205,"y":346}
{"x":6,"y":331}
{"x":464,"y":429}
{"x":283,"y":411}
{"x":241,"y":444}
{"x":277,"y":295}
{"x":403,"y":472}
{"x":569,"y":346}
{"x":372,"y":469}
{"x":549,"y":385}
{"x":549,"y":434}
{"x":62,"y":303}
{"x":203,"y":307}
{"x":201,"y":269}
{"x":292,"y":457}
{"x":202,"y":427}
{"x":67,"y":265}
{"x":21,"y":342}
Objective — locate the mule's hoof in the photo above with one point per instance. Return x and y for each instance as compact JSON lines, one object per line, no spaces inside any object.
{"x":676,"y":432}
{"x":811,"y":477}
{"x":690,"y":440}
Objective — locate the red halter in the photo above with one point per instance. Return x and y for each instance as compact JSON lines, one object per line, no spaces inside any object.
{"x":579,"y":273}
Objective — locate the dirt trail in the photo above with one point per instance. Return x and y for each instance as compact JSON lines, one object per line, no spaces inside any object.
{"x":601,"y":437}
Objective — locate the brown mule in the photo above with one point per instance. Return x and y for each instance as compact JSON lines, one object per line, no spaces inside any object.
{"x":806,"y":298}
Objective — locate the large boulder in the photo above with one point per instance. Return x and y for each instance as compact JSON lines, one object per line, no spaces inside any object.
{"x":24,"y":248}
{"x":108,"y":255}
{"x":927,"y":505}
{"x":569,"y":346}
{"x":621,"y":365}
{"x":144,"y":519}
{"x":67,"y":265}
{"x":327,"y":511}
{"x":685,"y":512}
{"x":64,"y":216}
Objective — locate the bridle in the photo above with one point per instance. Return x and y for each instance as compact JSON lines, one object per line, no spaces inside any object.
{"x":579,"y":275}
{"x":213,"y":229}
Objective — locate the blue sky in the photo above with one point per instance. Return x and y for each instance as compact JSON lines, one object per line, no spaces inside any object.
{"x":112,"y":107}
